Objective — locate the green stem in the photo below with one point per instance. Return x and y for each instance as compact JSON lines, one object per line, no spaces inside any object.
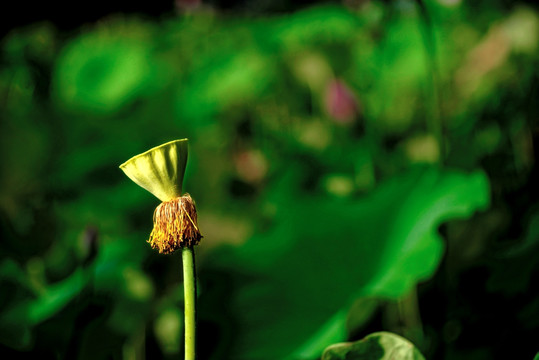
{"x":410,"y":318}
{"x":190,"y":290}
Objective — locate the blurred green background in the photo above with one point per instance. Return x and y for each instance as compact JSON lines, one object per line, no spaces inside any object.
{"x":357,"y":167}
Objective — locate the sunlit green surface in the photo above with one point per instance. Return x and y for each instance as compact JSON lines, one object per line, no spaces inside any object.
{"x":377,"y":346}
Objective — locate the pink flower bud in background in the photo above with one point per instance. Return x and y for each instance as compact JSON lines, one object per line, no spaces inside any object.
{"x":340,"y":102}
{"x":188,"y":5}
{"x":251,"y":165}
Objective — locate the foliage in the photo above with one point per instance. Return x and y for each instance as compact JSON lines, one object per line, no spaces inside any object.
{"x":342,"y":158}
{"x":310,"y":253}
{"x":381,"y":345}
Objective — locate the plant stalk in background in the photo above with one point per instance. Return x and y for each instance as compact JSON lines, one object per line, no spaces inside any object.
{"x":160,"y":171}
{"x":435,"y":119}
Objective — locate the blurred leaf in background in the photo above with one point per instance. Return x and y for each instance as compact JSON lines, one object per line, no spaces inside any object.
{"x":322,"y":252}
{"x":99,"y":73}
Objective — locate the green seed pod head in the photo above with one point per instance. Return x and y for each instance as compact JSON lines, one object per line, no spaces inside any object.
{"x":159,"y":170}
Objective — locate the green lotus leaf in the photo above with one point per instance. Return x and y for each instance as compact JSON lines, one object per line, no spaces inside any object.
{"x":315,"y":25}
{"x":376,"y":346}
{"x":322,"y":253}
{"x":159,"y":170}
{"x":17,"y":320}
{"x":229,"y":78}
{"x":100,"y":73}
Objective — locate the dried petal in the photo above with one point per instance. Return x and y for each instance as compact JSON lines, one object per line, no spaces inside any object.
{"x":175,"y":225}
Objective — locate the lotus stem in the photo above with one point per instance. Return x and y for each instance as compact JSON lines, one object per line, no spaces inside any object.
{"x":190,"y":290}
